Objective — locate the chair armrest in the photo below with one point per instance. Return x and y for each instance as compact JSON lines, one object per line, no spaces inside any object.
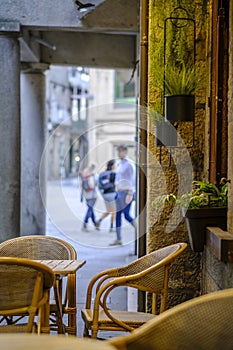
{"x":98,"y":281}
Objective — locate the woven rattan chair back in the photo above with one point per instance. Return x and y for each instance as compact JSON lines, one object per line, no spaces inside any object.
{"x":204,"y":322}
{"x":149,"y":273}
{"x":24,"y":290}
{"x":153,"y":277}
{"x":38,"y":247}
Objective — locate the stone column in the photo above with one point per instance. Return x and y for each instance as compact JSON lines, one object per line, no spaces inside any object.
{"x":33,"y":128}
{"x":9,"y":131}
{"x":230,"y":123}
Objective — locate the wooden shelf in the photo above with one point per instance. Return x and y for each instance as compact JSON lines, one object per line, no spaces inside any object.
{"x":220,"y":243}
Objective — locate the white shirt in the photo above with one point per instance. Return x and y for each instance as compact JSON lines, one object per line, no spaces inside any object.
{"x":125,"y":176}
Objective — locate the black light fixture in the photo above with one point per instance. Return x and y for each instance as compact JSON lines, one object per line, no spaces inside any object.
{"x":83,"y":7}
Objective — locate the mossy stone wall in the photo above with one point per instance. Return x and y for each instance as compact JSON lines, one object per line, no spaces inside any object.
{"x":163,"y":166}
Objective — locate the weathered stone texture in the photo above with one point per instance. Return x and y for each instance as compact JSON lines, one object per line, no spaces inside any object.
{"x":33,"y":140}
{"x":230,"y":126}
{"x":10,"y":138}
{"x":173,"y":172}
{"x":216,"y":274}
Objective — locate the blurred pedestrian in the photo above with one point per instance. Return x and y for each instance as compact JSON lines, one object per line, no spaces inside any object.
{"x":89,"y":185}
{"x":125,"y":185}
{"x":107,"y":189}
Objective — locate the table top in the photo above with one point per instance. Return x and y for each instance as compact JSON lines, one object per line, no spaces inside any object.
{"x":63,"y":266}
{"x":26,"y":341}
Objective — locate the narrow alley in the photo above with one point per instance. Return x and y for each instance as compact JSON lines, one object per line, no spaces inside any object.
{"x":91,"y":246}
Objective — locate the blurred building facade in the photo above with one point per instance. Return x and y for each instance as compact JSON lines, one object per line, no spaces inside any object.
{"x":89,"y":112}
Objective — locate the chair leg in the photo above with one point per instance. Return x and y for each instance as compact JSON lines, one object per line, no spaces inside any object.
{"x":43,"y":320}
{"x":72,"y":307}
{"x":58,"y":299}
{"x":85,"y":332}
{"x":94,"y":333}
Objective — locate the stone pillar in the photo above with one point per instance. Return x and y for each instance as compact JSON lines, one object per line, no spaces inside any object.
{"x":9,"y":131}
{"x":33,"y":128}
{"x":230,"y":123}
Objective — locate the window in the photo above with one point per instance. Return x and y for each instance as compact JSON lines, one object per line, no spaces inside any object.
{"x":125,"y":86}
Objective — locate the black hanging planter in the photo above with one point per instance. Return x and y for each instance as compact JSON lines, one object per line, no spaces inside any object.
{"x":198,"y":219}
{"x":179,"y":108}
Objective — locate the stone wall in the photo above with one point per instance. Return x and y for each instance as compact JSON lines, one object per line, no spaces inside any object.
{"x":230,"y":123}
{"x":172,"y":170}
{"x":193,"y":273}
{"x":216,"y":274}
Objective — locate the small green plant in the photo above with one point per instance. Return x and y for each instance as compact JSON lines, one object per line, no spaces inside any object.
{"x":159,"y":201}
{"x":178,"y":79}
{"x":204,"y":194}
{"x":182,"y":80}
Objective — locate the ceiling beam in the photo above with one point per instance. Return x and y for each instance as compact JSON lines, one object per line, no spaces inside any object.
{"x":89,"y":49}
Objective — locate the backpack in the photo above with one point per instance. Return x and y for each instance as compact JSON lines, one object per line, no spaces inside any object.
{"x":88,"y":182}
{"x":106,"y":181}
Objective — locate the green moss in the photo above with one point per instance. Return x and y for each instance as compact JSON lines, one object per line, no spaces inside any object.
{"x":179,"y":45}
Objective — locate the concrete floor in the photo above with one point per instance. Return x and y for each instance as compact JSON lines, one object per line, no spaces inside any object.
{"x":64,"y":220}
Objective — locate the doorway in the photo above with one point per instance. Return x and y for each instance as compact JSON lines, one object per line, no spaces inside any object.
{"x":90,"y":113}
{"x":86,"y":123}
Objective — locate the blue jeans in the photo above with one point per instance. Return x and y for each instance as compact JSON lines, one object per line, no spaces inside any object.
{"x":122,"y":208}
{"x":90,"y":210}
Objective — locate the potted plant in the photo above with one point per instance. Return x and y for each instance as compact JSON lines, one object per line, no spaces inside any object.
{"x":180,"y":85}
{"x":205,"y":206}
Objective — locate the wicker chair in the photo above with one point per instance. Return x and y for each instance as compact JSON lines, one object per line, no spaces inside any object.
{"x":149,"y":273}
{"x":24,"y":289}
{"x":44,"y":248}
{"x":204,"y":323}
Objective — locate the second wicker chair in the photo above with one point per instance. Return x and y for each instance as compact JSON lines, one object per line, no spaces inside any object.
{"x":204,"y":322}
{"x":149,"y":273}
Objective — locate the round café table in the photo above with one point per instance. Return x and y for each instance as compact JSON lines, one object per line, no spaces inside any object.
{"x":24,"y":341}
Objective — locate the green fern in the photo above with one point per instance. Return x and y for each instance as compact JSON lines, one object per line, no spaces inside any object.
{"x":203,"y":195}
{"x":206,"y":194}
{"x":181,"y":80}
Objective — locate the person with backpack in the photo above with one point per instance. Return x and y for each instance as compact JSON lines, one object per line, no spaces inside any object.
{"x":107,"y":189}
{"x":89,"y":183}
